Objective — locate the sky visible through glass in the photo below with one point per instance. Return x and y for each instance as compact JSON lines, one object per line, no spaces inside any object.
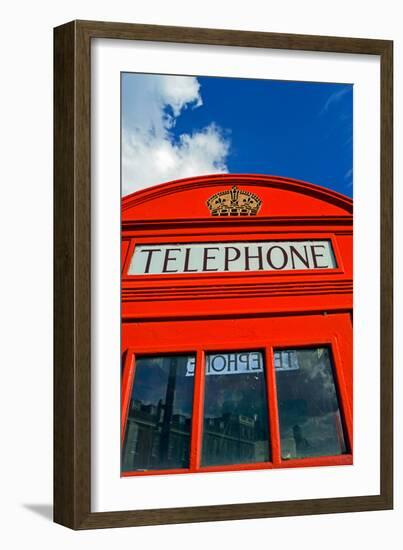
{"x":183,"y":126}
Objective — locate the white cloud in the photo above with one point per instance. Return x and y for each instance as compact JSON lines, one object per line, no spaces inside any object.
{"x":151,"y":153}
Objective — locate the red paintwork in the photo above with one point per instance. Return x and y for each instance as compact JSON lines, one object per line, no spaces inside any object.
{"x":234,"y":311}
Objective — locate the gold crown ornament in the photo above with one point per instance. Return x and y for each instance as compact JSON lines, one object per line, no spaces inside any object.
{"x":234,"y":202}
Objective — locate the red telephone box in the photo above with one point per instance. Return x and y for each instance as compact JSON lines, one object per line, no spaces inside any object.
{"x":237,"y":298}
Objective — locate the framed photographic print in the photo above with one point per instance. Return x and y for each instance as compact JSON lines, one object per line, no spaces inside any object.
{"x":223,"y":275}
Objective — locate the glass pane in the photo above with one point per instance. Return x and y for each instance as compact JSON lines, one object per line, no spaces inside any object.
{"x":310,"y":421}
{"x":159,"y":419}
{"x":235,"y":409}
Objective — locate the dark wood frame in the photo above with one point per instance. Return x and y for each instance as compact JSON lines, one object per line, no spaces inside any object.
{"x":72,"y":320}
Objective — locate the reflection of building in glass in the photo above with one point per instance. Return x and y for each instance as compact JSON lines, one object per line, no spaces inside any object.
{"x":229,"y":437}
{"x":151,"y":442}
{"x":232,"y":438}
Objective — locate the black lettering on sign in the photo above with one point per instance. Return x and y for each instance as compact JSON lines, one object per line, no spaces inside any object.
{"x":294,"y":252}
{"x":243,"y":358}
{"x":215,"y":363}
{"x":232,"y":360}
{"x":150,"y":253}
{"x":249,"y":256}
{"x":285,"y":257}
{"x":228,"y":258}
{"x":220,"y":364}
{"x":316,"y":255}
{"x":169,"y":259}
{"x":232,"y":257}
{"x":206,"y":258}
{"x":256,"y":358}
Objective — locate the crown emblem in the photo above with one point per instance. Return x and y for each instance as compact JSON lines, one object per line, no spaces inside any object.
{"x":234,"y":202}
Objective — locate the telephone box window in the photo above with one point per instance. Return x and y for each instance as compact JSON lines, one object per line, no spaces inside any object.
{"x":235,"y":429}
{"x":159,"y":417}
{"x":309,"y":412}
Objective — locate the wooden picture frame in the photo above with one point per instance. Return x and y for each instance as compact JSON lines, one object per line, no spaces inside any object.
{"x":72,"y":273}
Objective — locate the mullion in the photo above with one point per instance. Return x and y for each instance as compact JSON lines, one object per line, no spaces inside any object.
{"x":197,"y":412}
{"x":272,"y":405}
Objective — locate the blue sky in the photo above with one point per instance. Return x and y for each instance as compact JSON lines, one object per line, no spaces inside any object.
{"x":175,"y":126}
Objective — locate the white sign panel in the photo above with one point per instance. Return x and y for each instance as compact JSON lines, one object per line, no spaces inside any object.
{"x":231,"y":257}
{"x":285,"y":361}
{"x":244,"y":362}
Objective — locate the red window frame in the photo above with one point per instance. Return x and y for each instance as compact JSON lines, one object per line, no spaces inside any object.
{"x":336,"y":336}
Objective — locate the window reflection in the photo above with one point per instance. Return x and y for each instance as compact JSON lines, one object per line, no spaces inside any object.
{"x":310,"y":420}
{"x":159,"y":419}
{"x":235,"y":410}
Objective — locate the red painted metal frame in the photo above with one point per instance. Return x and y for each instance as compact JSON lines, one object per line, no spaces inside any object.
{"x":197,"y":413}
{"x":271,"y":391}
{"x":195,"y":313}
{"x":127,"y":384}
